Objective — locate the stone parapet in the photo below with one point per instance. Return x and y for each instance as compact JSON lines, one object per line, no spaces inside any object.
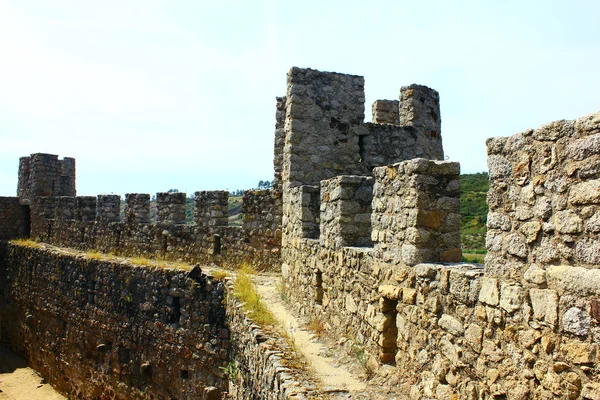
{"x":543,"y":198}
{"x":416,"y":212}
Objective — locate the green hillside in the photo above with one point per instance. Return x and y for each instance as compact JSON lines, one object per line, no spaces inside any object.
{"x":473,"y":210}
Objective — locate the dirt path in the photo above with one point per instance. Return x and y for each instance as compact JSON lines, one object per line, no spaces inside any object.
{"x":333,"y":378}
{"x":19,"y":382}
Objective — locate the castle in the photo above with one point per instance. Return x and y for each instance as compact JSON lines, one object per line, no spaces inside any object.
{"x":363,"y":223}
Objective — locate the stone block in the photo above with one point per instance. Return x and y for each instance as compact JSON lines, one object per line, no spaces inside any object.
{"x":576,"y":321}
{"x":451,"y":325}
{"x":585,"y":193}
{"x":545,"y":305}
{"x":511,"y":298}
{"x":488,"y":294}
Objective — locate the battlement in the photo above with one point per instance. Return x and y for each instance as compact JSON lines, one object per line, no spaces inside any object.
{"x":364,"y":220}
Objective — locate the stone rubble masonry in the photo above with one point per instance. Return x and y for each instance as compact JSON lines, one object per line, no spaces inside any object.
{"x":212,"y":208}
{"x":137,"y":208}
{"x":45,"y":175}
{"x":103,"y":329}
{"x":108,"y":208}
{"x":544,"y":198}
{"x":416,"y":212}
{"x":346,"y":211}
{"x":420,"y":108}
{"x":386,"y":112}
{"x":170,"y":208}
{"x":90,"y":223}
{"x":279,"y":143}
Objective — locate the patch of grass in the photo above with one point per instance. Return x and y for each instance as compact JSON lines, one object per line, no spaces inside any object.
{"x":317,"y":327}
{"x":94,"y":255}
{"x":26,"y":243}
{"x":358,"y":349}
{"x":283,"y":295}
{"x":220,"y":275}
{"x":246,"y":293}
{"x":230,"y":371}
{"x":473,"y":258}
{"x":141,"y":261}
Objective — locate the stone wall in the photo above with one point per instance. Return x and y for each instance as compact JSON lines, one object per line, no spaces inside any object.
{"x":107,"y":329}
{"x":325,"y":134}
{"x":86,"y":224}
{"x":412,"y":207}
{"x":14,"y":219}
{"x":544,"y":198}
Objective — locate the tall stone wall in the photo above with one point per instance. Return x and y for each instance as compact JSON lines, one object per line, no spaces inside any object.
{"x":544,"y":198}
{"x":102,"y":329}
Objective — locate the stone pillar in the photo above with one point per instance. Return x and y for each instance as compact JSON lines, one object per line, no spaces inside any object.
{"x":323,"y":110}
{"x":137,"y":208}
{"x":109,"y":208}
{"x":24,"y":186}
{"x":416,"y":212}
{"x":170,"y":208}
{"x":44,"y":175}
{"x":279,"y":143}
{"x":420,"y":108}
{"x":386,"y":112}
{"x":212,"y":208}
{"x":86,"y":208}
{"x":66,"y":177}
{"x":346,"y":211}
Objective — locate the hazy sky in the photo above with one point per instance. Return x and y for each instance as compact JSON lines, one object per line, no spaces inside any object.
{"x":155,"y":95}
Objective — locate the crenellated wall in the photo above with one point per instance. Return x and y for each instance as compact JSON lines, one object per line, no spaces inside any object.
{"x":88,"y":223}
{"x":364,"y":219}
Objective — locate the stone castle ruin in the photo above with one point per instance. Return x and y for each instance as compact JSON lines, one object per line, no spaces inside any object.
{"x":363,"y":223}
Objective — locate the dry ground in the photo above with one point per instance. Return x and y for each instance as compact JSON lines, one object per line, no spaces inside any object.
{"x":19,"y":382}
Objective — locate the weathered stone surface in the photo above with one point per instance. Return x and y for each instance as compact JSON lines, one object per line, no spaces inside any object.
{"x":511,"y":298}
{"x":535,"y":274}
{"x":451,"y":325}
{"x":585,"y":193}
{"x":575,"y":280}
{"x":489,"y":291}
{"x":545,"y":305}
{"x":576,"y":321}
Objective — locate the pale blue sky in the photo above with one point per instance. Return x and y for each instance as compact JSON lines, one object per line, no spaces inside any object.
{"x":154,"y":95}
